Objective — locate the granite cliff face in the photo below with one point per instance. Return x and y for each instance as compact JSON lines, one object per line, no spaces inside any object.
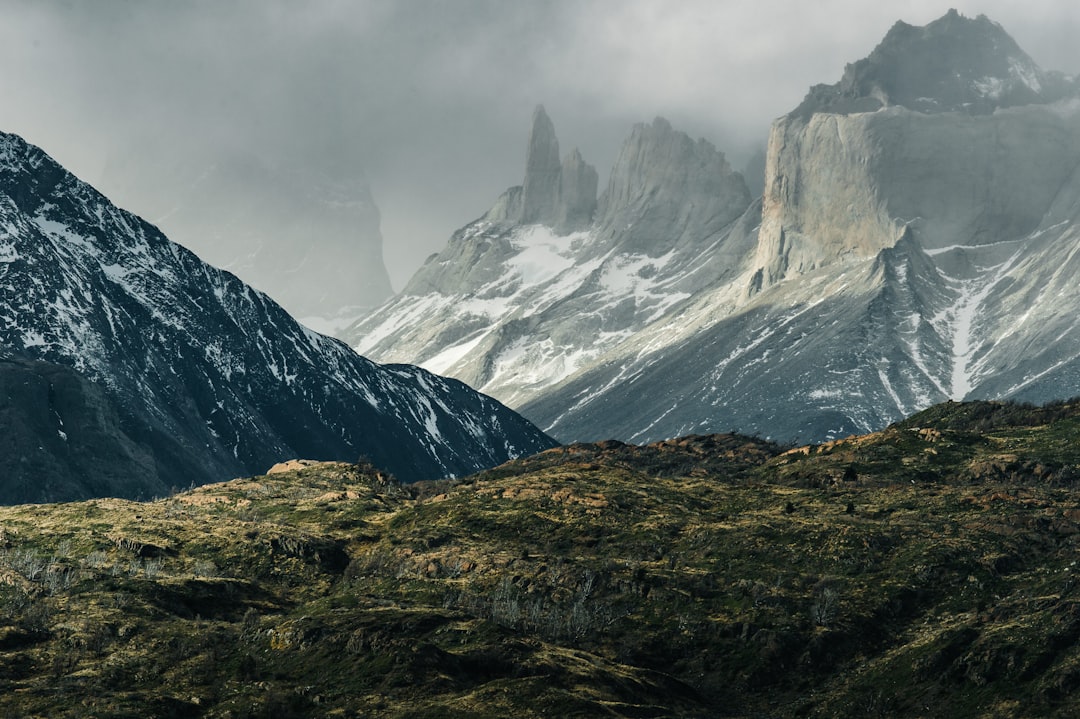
{"x":850,"y":185}
{"x":128,"y":346}
{"x":915,"y":242}
{"x":667,"y":191}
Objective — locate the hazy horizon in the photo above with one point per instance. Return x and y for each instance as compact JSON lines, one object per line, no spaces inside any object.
{"x":431,"y":101}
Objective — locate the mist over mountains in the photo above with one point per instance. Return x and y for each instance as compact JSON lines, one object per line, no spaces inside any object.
{"x":914,"y":243}
{"x":910,"y":238}
{"x":308,"y":237}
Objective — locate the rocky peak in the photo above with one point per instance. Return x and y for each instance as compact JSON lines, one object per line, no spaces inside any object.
{"x":542,"y":170}
{"x":955,"y":63}
{"x":561,"y":195}
{"x":665,"y":187}
{"x":186,"y":373}
{"x":577,"y":193}
{"x":912,"y":137}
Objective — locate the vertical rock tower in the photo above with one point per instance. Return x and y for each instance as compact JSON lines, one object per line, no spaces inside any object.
{"x":543,"y":172}
{"x":561,"y":195}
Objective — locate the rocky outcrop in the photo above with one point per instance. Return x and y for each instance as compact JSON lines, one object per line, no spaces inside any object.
{"x":560,"y":195}
{"x":667,"y":190}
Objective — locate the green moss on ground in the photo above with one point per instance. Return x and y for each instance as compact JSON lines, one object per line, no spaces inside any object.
{"x":928,"y":569}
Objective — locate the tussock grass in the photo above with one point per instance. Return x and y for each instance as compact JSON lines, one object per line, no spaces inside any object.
{"x":928,"y":569}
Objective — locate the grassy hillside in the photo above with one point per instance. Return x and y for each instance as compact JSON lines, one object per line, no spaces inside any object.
{"x":927,"y":570}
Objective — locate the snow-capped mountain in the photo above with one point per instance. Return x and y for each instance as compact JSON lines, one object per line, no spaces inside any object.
{"x":916,"y":242}
{"x":552,"y":278}
{"x":194,"y":375}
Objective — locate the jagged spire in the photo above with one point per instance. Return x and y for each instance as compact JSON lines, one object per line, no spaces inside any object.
{"x":560,"y":195}
{"x":665,"y":186}
{"x":542,"y":170}
{"x":577,"y":193}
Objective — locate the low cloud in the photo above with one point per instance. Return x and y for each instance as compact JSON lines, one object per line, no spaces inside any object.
{"x":430,"y":100}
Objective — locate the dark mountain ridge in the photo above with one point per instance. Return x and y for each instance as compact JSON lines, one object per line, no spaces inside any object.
{"x":208,"y":377}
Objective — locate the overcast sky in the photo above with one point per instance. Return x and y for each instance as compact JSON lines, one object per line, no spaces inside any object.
{"x":431,"y":100}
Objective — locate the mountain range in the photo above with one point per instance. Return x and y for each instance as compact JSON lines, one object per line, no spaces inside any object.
{"x":915,"y":242}
{"x":131,"y":367}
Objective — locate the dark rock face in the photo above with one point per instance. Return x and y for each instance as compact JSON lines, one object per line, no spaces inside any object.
{"x":207,"y":378}
{"x":577,"y":193}
{"x":754,"y":172}
{"x":63,"y":438}
{"x":952,"y":64}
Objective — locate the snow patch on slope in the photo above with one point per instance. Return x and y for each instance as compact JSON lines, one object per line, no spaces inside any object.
{"x":960,"y":321}
{"x":541,"y":254}
{"x":446,"y":359}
